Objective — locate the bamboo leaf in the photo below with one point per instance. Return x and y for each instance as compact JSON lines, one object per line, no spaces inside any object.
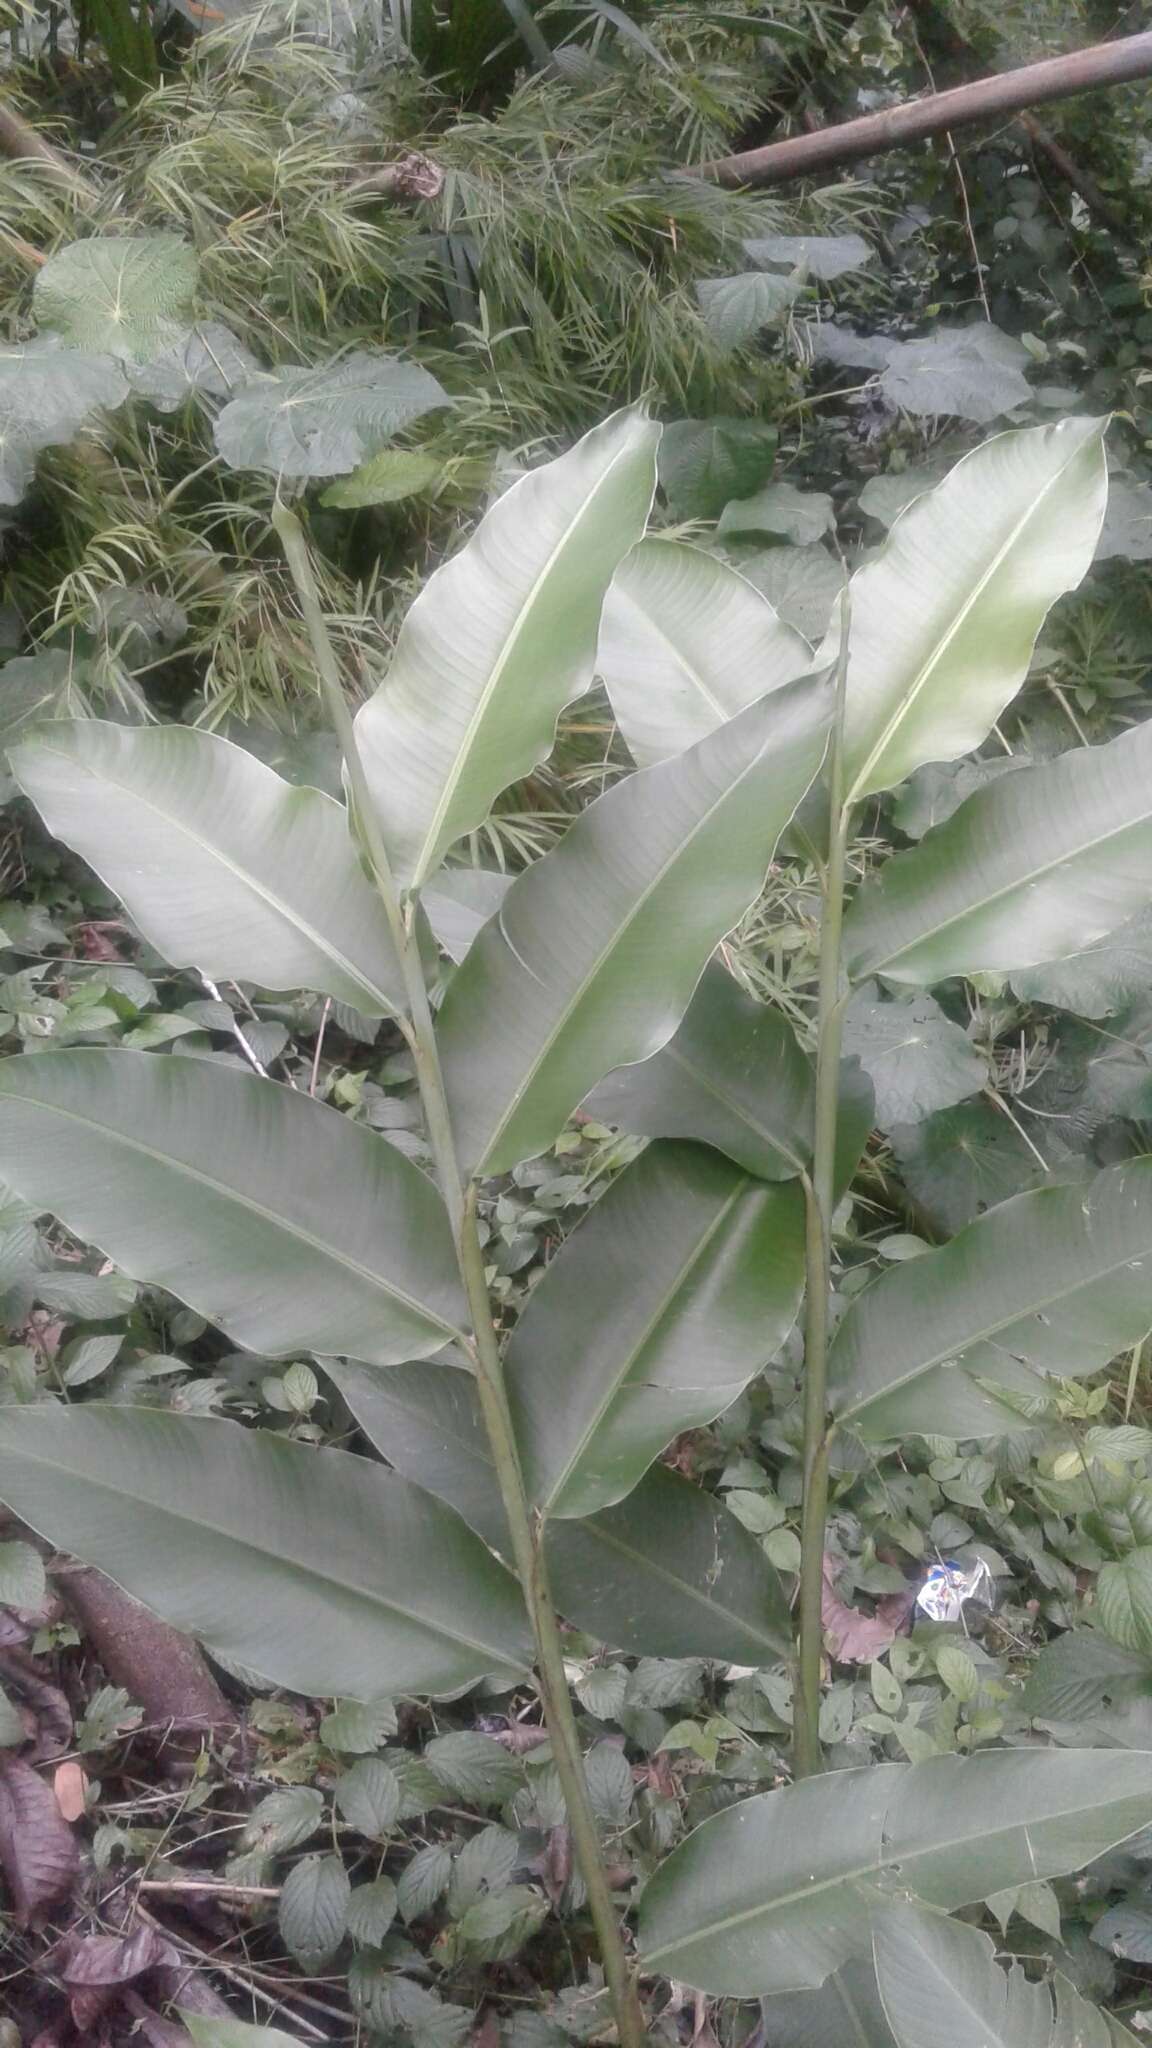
{"x":279,"y":1219}
{"x":1057,"y":1281}
{"x":945,"y":617}
{"x":697,"y":1272}
{"x":594,"y":955}
{"x":776,"y":1892}
{"x":686,"y":643}
{"x":318,"y":1570}
{"x":500,"y":639}
{"x":670,"y":1572}
{"x":1033,"y":867}
{"x":223,"y":865}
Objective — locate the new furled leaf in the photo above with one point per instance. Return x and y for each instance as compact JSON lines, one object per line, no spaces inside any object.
{"x":686,"y":643}
{"x":776,"y":1892}
{"x":944,"y":618}
{"x":697,"y":1272}
{"x":223,"y":865}
{"x":275,"y":1216}
{"x":318,"y":1570}
{"x":1057,"y":1281}
{"x":1034,"y":866}
{"x":500,"y":639}
{"x":595,"y":952}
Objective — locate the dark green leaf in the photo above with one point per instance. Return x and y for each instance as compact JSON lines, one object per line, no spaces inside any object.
{"x":915,"y":1057}
{"x":703,"y":463}
{"x":314,"y":1910}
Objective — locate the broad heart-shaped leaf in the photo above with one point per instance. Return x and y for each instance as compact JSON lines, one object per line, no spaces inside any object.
{"x":46,"y":395}
{"x":703,"y":463}
{"x":594,"y":955}
{"x":686,"y":643}
{"x":316,"y":1569}
{"x":1057,"y":1281}
{"x":327,"y":421}
{"x":942,"y":1987}
{"x":670,"y":1572}
{"x":222,"y":864}
{"x":207,"y":359}
{"x":774,"y":1894}
{"x":697,"y":1273}
{"x":944,"y":617}
{"x":916,"y":1058}
{"x":124,"y":295}
{"x":1031,"y":867}
{"x":500,"y":639}
{"x":278,"y":1218}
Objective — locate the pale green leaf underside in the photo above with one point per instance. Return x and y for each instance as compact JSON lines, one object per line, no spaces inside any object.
{"x":697,"y":1273}
{"x":125,"y":295}
{"x":324,"y":421}
{"x":318,"y":1570}
{"x":595,"y":952}
{"x":685,"y":643}
{"x":500,"y":639}
{"x":773,"y":1894}
{"x":1053,"y":1282}
{"x":944,"y":618}
{"x":1031,"y":868}
{"x":223,"y":865}
{"x":273,"y":1215}
{"x":46,"y":395}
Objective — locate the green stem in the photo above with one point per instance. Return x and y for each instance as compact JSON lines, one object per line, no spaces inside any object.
{"x":525,"y":1531}
{"x":820,"y":1196}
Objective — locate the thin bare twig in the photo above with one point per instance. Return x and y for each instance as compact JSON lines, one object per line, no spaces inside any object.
{"x":242,"y":1040}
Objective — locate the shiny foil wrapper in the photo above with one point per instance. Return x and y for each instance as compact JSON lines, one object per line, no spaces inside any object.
{"x":949,"y":1585}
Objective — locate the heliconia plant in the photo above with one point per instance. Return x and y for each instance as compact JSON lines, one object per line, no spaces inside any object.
{"x":596,"y":978}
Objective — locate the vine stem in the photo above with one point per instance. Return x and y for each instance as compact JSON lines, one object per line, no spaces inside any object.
{"x":525,"y":1528}
{"x":819,"y":1202}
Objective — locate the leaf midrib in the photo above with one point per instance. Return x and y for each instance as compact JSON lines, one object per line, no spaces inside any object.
{"x":326,"y":1578}
{"x":289,"y":1229}
{"x":242,"y":875}
{"x":1021,"y":881}
{"x":865,"y":1872}
{"x":683,"y":1587}
{"x":920,"y":683}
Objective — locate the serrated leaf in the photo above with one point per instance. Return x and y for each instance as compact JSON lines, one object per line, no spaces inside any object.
{"x":474,"y":1767}
{"x":1057,"y":1281}
{"x":267,"y":1550}
{"x":47,"y":395}
{"x":22,"y":1579}
{"x":500,"y":639}
{"x":356,"y":1727}
{"x":597,"y":948}
{"x":670,"y":1573}
{"x":1080,"y":1673}
{"x":385,"y":479}
{"x":423,"y":1881}
{"x":602,"y":1690}
{"x":822,"y":256}
{"x":1032,"y":867}
{"x":325,"y":421}
{"x":371,"y":1911}
{"x":611,"y":1787}
{"x":368,"y":1798}
{"x":484,"y":1864}
{"x":223,"y":865}
{"x":704,"y":463}
{"x":776,"y":1892}
{"x":945,"y":616}
{"x":736,"y":308}
{"x":798,"y":516}
{"x":917,"y":1060}
{"x":686,"y":643}
{"x":128,"y":296}
{"x":187,"y":1174}
{"x":313,"y":1911}
{"x":285,"y":1819}
{"x":88,"y":1357}
{"x":698,"y":1272}
{"x":1124,"y":1600}
{"x":734,"y":1077}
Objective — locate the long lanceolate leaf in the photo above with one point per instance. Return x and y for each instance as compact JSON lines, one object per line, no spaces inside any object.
{"x":945,"y":617}
{"x":696,"y":1272}
{"x":315,"y":1569}
{"x":279,"y":1219}
{"x":775,"y":1893}
{"x":685,"y":643}
{"x":499,"y":641}
{"x":223,"y":865}
{"x":1057,"y":1282}
{"x":1029,"y":869}
{"x":594,"y":954}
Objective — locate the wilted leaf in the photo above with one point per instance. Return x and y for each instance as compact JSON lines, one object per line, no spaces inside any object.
{"x":38,"y":1851}
{"x":46,"y":395}
{"x":128,"y":296}
{"x":853,"y":1637}
{"x":327,"y":421}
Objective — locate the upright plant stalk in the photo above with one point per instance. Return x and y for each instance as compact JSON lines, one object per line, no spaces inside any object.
{"x":819,"y":1201}
{"x":525,"y":1531}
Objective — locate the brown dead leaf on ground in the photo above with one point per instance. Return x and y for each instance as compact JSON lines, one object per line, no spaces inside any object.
{"x":70,"y":1786}
{"x":851,"y":1636}
{"x":38,"y":1851}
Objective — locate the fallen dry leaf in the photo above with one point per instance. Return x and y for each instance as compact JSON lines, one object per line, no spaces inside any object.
{"x":93,"y":1966}
{"x":70,"y":1785}
{"x":38,"y":1850}
{"x":853,"y":1637}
